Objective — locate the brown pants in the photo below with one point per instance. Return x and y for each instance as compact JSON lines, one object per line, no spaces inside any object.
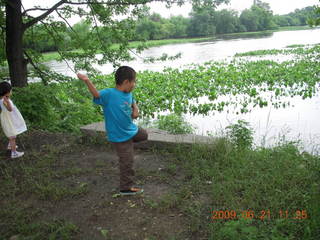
{"x":125,"y":153}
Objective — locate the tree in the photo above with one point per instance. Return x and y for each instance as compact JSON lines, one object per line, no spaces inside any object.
{"x":299,"y":17}
{"x":281,"y":20}
{"x":151,"y":27}
{"x":201,"y":22}
{"x":227,"y":21}
{"x":180,"y":26}
{"x":263,"y":5}
{"x":315,"y":21}
{"x":15,"y":21}
{"x":249,"y":20}
{"x":258,"y":18}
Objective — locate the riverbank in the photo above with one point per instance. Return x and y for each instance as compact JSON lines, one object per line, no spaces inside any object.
{"x":154,"y":43}
{"x":151,"y":43}
{"x":65,"y":187}
{"x":210,"y":97}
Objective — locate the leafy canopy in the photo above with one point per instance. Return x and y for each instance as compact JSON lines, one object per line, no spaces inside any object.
{"x":111,"y":22}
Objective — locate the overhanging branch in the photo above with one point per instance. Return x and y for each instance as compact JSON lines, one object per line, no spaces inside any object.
{"x":44,"y":15}
{"x":109,"y":3}
{"x":40,"y":72}
{"x":36,"y":9}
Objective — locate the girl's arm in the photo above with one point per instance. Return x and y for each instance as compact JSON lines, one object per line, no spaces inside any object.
{"x":135,"y":111}
{"x":7,"y":103}
{"x":91,"y":87}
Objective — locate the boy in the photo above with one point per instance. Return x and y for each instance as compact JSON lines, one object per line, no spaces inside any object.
{"x":119,"y":108}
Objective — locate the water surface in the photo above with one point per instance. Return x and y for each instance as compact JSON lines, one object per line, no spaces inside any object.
{"x":298,"y":122}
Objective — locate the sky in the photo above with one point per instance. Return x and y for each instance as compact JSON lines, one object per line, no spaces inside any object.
{"x":277,"y":6}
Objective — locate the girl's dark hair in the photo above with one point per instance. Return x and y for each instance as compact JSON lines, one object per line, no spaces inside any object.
{"x":5,"y":88}
{"x":124,"y":73}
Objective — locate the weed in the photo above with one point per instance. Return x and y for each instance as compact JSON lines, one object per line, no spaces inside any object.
{"x":174,"y":124}
{"x":54,"y":192}
{"x":240,"y":134}
{"x":151,"y":203}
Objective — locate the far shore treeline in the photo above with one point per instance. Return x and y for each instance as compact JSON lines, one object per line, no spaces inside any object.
{"x":204,"y":22}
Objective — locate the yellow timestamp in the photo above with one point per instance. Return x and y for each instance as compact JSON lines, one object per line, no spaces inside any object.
{"x":260,"y":215}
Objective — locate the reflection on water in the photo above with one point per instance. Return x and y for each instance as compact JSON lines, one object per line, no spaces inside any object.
{"x":246,"y":36}
{"x":270,"y":124}
{"x":296,"y":122}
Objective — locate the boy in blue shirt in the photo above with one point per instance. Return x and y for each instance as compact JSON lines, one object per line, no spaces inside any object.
{"x":120,"y":108}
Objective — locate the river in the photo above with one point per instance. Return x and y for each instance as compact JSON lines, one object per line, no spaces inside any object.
{"x":296,"y":123}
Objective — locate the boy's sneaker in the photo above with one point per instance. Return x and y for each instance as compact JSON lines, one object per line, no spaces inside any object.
{"x":131,"y":191}
{"x":16,"y":154}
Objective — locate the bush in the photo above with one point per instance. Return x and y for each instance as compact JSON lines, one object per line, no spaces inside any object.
{"x":174,"y":123}
{"x":56,"y":107}
{"x":240,"y":134}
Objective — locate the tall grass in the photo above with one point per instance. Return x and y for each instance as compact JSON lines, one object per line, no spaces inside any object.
{"x":273,"y":193}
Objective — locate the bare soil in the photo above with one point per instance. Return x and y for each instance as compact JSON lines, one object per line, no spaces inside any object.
{"x":94,"y":165}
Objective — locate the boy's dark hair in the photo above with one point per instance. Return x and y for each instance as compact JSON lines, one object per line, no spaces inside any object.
{"x":124,"y":73}
{"x":5,"y":88}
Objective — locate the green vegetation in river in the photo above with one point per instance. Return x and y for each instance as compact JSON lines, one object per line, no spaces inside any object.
{"x":244,"y":83}
{"x":297,"y":49}
{"x":238,"y":86}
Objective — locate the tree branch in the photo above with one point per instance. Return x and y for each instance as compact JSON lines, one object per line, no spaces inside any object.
{"x":127,"y":2}
{"x":109,"y":3}
{"x":55,"y":40}
{"x":40,"y":72}
{"x":65,"y":20}
{"x":44,"y":15}
{"x":36,"y":9}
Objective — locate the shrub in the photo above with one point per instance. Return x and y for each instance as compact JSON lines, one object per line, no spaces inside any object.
{"x":240,"y":134}
{"x":56,"y":107}
{"x":174,"y":123}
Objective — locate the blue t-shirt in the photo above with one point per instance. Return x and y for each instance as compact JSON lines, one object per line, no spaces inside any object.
{"x":117,"y":110}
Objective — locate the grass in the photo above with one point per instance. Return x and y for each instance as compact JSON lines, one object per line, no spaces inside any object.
{"x":216,"y":182}
{"x":251,"y":183}
{"x":155,"y":43}
{"x":56,"y":229}
{"x":36,"y":176}
{"x":294,"y":28}
{"x":36,"y":179}
{"x":49,"y":56}
{"x":231,"y":192}
{"x":280,"y":29}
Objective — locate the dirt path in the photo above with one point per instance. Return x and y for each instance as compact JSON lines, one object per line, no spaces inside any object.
{"x":90,"y":171}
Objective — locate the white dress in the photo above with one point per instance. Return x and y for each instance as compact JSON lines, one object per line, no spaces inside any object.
{"x":12,"y":122}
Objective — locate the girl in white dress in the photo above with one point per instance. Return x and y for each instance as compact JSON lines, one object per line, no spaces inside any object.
{"x":12,"y":121}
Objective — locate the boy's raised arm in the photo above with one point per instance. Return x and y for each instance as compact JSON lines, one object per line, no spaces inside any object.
{"x":91,"y":87}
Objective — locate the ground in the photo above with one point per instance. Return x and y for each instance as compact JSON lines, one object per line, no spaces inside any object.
{"x":72,"y":179}
{"x":66,"y":187}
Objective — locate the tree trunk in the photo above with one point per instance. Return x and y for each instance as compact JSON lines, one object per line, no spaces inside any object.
{"x":14,"y":44}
